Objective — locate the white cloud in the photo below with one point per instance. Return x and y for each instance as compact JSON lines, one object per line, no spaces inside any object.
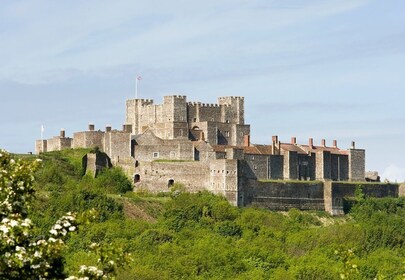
{"x":394,"y":173}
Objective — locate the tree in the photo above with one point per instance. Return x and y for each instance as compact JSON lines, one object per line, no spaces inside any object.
{"x":21,"y":255}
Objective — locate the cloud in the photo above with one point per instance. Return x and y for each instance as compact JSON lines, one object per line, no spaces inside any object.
{"x":394,"y":173}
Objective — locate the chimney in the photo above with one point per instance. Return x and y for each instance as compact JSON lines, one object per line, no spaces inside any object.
{"x":62,"y":133}
{"x":127,"y":128}
{"x":274,"y":139}
{"x":353,"y":145}
{"x":311,"y":142}
{"x":91,"y":127}
{"x":293,"y":140}
{"x":246,"y":140}
{"x":108,"y":128}
{"x":334,"y":144}
{"x":323,"y":143}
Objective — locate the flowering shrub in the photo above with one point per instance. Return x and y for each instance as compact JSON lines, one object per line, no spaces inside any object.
{"x":23,"y":257}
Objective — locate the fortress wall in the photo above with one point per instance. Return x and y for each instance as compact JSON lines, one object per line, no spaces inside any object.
{"x":323,"y":165}
{"x":88,"y":139}
{"x":66,"y":143}
{"x":57,"y":143}
{"x":357,"y":165}
{"x":336,"y":192}
{"x":233,"y":108}
{"x":41,"y":146}
{"x":284,"y":195}
{"x":275,"y":167}
{"x":290,"y":168}
{"x":239,"y":132}
{"x":339,"y":167}
{"x":155,"y":176}
{"x":401,"y":190}
{"x":209,"y":113}
{"x":223,"y":179}
{"x":54,"y":144}
{"x":118,"y":144}
{"x":258,"y":165}
{"x":169,"y":151}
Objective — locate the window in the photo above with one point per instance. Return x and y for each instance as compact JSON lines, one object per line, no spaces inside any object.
{"x":226,"y":133}
{"x":170,"y":183}
{"x":156,"y":155}
{"x":172,"y":154}
{"x":254,"y":167}
{"x":181,"y":132}
{"x":137,"y":178}
{"x":195,"y":119}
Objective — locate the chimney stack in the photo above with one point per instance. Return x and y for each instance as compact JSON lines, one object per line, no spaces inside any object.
{"x":246,"y":140}
{"x":311,"y":142}
{"x":62,"y":133}
{"x":323,"y":143}
{"x":334,"y":144}
{"x":293,"y":140}
{"x":108,"y":128}
{"x":353,"y":145}
{"x":91,"y":127}
{"x":274,"y":139}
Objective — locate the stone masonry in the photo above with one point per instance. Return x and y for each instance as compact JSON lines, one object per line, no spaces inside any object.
{"x":207,"y":147}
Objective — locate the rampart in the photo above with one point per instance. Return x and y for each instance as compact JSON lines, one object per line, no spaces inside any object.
{"x":284,"y":195}
{"x":160,"y":176}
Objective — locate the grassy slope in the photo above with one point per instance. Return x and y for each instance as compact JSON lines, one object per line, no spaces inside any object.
{"x":202,"y":237}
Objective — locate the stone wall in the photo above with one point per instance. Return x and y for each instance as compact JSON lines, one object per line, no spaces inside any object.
{"x":41,"y":146}
{"x":284,"y":195}
{"x":323,"y":165}
{"x":117,"y":144}
{"x":155,"y":176}
{"x":357,"y":165}
{"x":290,"y":168}
{"x":339,"y":167}
{"x":59,"y":143}
{"x":88,"y":139}
{"x":258,"y":166}
{"x":223,"y":179}
{"x":336,"y":192}
{"x":95,"y":162}
{"x":275,"y":167}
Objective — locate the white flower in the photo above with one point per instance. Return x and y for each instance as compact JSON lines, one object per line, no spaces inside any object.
{"x":57,"y":226}
{"x":72,"y":228}
{"x":53,"y":231}
{"x":3,"y":228}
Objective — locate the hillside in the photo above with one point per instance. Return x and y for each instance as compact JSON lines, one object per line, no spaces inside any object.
{"x":179,"y":235}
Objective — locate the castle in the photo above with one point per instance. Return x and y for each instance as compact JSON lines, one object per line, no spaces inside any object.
{"x":207,"y":147}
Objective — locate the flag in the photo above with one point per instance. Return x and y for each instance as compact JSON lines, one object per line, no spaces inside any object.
{"x":42,"y":128}
{"x":139,"y":78}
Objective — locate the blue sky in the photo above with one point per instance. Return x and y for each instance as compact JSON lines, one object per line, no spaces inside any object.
{"x":323,"y":69}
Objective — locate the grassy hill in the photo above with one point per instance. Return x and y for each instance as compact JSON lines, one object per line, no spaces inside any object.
{"x":200,"y":236}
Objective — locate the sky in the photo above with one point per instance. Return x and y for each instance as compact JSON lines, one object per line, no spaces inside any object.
{"x":323,"y":69}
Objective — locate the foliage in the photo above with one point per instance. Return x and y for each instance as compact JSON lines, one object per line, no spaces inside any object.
{"x":22,"y":256}
{"x":179,"y":235}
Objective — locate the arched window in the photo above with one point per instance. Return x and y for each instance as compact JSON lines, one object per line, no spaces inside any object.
{"x":137,"y":178}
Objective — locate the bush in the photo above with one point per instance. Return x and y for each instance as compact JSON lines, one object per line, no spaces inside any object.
{"x":113,"y":180}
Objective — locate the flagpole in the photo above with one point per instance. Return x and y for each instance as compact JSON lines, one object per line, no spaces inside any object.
{"x":138,"y":78}
{"x":136,"y":88}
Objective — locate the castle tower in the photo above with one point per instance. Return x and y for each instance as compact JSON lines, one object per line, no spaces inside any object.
{"x":134,"y":109}
{"x":233,"y":109}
